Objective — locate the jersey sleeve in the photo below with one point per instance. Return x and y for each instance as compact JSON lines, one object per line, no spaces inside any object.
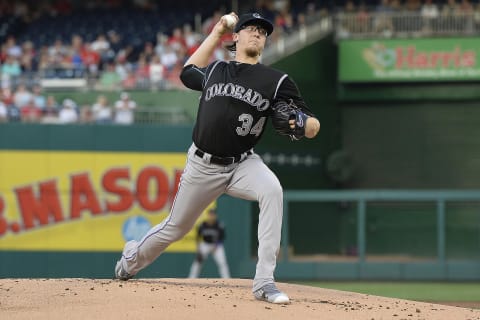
{"x":193,"y":77}
{"x":288,"y":90}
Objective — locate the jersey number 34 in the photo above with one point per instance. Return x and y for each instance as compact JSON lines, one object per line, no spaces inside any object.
{"x":247,"y":122}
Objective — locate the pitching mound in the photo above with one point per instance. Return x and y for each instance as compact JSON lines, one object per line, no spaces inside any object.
{"x":199,"y":299}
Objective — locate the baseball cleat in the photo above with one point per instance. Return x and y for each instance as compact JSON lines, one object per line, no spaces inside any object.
{"x":270,"y":293}
{"x":120,"y":273}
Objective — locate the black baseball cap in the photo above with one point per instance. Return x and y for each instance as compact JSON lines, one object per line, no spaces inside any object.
{"x":253,"y":19}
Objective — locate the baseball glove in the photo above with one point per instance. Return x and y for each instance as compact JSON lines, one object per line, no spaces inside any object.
{"x":283,"y":112}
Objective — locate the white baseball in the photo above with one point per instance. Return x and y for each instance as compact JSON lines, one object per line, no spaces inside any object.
{"x":230,"y":20}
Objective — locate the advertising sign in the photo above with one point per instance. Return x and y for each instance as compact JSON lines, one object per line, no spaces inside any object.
{"x":405,"y":60}
{"x":85,"y":201}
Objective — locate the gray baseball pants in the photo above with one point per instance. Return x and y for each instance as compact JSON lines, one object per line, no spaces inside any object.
{"x":200,"y":184}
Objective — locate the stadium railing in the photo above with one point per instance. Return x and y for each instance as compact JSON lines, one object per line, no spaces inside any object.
{"x":364,"y":197}
{"x":404,"y":24}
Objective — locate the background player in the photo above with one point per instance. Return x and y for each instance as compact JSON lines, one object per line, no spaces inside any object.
{"x":210,"y":238}
{"x":237,"y":99}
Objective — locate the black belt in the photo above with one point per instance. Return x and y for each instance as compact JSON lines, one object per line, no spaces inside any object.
{"x":224,"y":161}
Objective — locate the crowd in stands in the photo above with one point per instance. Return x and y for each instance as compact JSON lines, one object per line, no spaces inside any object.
{"x":142,"y":54}
{"x":110,"y":60}
{"x":35,"y":106}
{"x":414,"y":16}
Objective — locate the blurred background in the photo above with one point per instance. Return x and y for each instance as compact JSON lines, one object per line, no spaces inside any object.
{"x":94,"y":125}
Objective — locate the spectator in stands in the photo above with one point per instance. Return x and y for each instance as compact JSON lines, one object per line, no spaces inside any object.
{"x":91,"y":59}
{"x":57,"y":54}
{"x":3,"y":112}
{"x":108,"y":47}
{"x":450,"y":15}
{"x":310,"y":14}
{"x":177,"y":42}
{"x":429,"y":10}
{"x":413,"y":5}
{"x":169,"y":58}
{"x":466,"y":7}
{"x":27,"y":60}
{"x":76,"y":61}
{"x":466,"y":12}
{"x":301,"y":20}
{"x":156,"y":73}
{"x":347,"y":22}
{"x":148,"y":52}
{"x":362,"y":18}
{"x":3,"y":52}
{"x":122,"y":69}
{"x":476,"y":16}
{"x":43,"y":60}
{"x":162,"y":40}
{"x":450,"y":9}
{"x":383,"y":22}
{"x":22,"y":96}
{"x":281,"y":5}
{"x":130,"y":81}
{"x":13,"y":49}
{"x":101,"y":46}
{"x":76,"y":43}
{"x":142,"y":72}
{"x":127,"y":55}
{"x":86,"y":114}
{"x":396,"y":6}
{"x":39,"y":99}
{"x":101,"y":111}
{"x":192,"y":39}
{"x":115,"y":44}
{"x":68,"y":114}
{"x":124,"y":109}
{"x":11,"y":67}
{"x":109,"y":79}
{"x":50,"y":113}
{"x":14,"y":113}
{"x":429,"y":13}
{"x":30,"y":113}
{"x":7,"y":96}
{"x":284,"y":22}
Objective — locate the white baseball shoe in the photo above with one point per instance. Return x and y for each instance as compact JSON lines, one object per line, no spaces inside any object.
{"x":270,"y":293}
{"x":120,"y":273}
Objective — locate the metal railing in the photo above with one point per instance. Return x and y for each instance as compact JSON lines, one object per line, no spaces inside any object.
{"x":163,"y":115}
{"x":439,"y":197}
{"x":296,"y":40}
{"x":404,"y":24}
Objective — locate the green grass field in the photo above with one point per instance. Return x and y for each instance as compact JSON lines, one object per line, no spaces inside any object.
{"x":420,"y":291}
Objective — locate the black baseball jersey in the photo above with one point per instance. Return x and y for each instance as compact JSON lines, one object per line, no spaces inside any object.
{"x":211,"y":233}
{"x":236,"y":103}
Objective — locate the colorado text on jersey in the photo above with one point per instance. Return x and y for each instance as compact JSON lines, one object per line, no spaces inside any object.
{"x":238,"y":92}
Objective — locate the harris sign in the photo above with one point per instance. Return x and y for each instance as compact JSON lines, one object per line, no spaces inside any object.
{"x":409,"y":60}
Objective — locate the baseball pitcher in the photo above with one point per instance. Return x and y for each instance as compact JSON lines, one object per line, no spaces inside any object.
{"x":237,"y":99}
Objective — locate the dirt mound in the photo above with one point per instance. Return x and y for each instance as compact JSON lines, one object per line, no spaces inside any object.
{"x":200,"y":299}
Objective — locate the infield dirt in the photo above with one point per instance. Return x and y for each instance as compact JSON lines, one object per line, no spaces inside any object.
{"x":217,"y":299}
